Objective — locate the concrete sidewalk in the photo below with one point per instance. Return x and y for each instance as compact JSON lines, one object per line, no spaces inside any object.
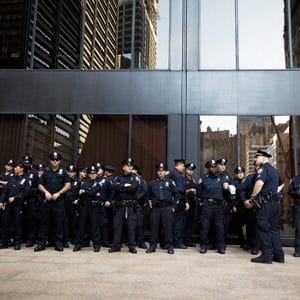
{"x":185,"y":275}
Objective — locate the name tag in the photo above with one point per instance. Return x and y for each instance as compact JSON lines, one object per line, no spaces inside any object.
{"x":22,"y":181}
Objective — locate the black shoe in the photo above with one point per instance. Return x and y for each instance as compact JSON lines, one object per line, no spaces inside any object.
{"x":261,"y":260}
{"x":246,"y":247}
{"x":49,"y":244}
{"x":296,"y":254}
{"x":279,"y":259}
{"x":114,"y":249}
{"x":29,"y":244}
{"x":254,"y":251}
{"x":59,"y":248}
{"x":76,"y":248}
{"x":39,"y":248}
{"x":66,"y":245}
{"x":106,"y":245}
{"x":132,"y":250}
{"x":190,"y":244}
{"x":150,"y":250}
{"x":97,"y":248}
{"x":180,"y":246}
{"x":221,"y":251}
{"x":203,"y":250}
{"x":142,"y":246}
{"x":170,"y":251}
{"x":17,"y":247}
{"x":162,"y":246}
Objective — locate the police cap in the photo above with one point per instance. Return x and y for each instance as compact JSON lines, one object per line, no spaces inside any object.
{"x":161,"y":167}
{"x":10,"y":162}
{"x":239,"y":169}
{"x":27,"y":159}
{"x":179,"y":161}
{"x":40,"y":167}
{"x":83,"y":170}
{"x":109,"y":168}
{"x":92,"y":170}
{"x":55,"y":156}
{"x":128,"y":162}
{"x":21,"y":164}
{"x":71,"y":168}
{"x":210,"y":164}
{"x":190,"y":166}
{"x":221,"y":161}
{"x":262,"y":153}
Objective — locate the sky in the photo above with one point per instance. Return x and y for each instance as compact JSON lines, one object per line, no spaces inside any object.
{"x":260,"y":34}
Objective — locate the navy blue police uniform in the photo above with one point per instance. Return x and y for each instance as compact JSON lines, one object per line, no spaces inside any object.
{"x":90,"y":205}
{"x":53,"y":211}
{"x":191,"y":197}
{"x":163,"y":198}
{"x":124,"y":199}
{"x":180,"y":210}
{"x":17,"y":187}
{"x":294,"y":192}
{"x":267,"y":215}
{"x":212,"y":209}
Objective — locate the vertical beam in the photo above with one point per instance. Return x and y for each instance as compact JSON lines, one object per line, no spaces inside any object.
{"x":238,"y":140}
{"x":36,"y":3}
{"x":290,"y":39}
{"x":133,"y":35}
{"x":237,"y":43}
{"x":82,"y":31}
{"x":174,"y":138}
{"x":23,"y":149}
{"x":76,"y":139}
{"x":129,"y":135}
{"x":58,"y":20}
{"x":295,"y":144}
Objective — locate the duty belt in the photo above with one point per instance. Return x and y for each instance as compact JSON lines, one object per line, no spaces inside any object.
{"x":267,"y":198}
{"x":213,"y":202}
{"x":125,"y":203}
{"x":91,"y":203}
{"x":161,"y":203}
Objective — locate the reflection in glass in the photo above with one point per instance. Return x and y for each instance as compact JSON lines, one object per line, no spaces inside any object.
{"x":261,"y":44}
{"x":217,"y":34}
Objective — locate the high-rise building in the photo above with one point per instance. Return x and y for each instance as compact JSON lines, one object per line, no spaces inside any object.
{"x":137,"y":34}
{"x":100,"y":34}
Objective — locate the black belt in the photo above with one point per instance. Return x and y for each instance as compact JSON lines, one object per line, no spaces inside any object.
{"x":91,"y":203}
{"x":213,"y":202}
{"x":161,"y":203}
{"x":125,"y":203}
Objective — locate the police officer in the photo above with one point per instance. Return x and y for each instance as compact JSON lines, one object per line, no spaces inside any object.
{"x":294,"y":192}
{"x":250,"y":217}
{"x":177,"y":175}
{"x":14,"y":194}
{"x":238,"y":217}
{"x":163,"y":198}
{"x":54,"y":183}
{"x":89,"y":210}
{"x":107,"y":227}
{"x":191,"y":195}
{"x":32,"y":204}
{"x":212,"y":207}
{"x":265,"y":191}
{"x":228,"y":194}
{"x":124,"y":195}
{"x":72,"y":197}
{"x":139,"y":234}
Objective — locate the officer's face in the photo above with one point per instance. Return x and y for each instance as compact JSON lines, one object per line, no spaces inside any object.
{"x":100,"y":172}
{"x":92,"y":176}
{"x":221,"y":168}
{"x":8,"y":168}
{"x":189,"y":172}
{"x":127,"y":169}
{"x":82,"y":175}
{"x":180,"y":167}
{"x":40,"y":173}
{"x":107,"y":173}
{"x":161,"y":174}
{"x":19,"y":170}
{"x":212,"y":170}
{"x":72,"y":174}
{"x":240,"y":175}
{"x":54,"y":163}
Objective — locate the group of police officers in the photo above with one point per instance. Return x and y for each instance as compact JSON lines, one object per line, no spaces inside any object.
{"x":54,"y":206}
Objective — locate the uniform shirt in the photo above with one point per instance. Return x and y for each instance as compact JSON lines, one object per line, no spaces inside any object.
{"x":178,"y":178}
{"x":125,"y":187}
{"x":294,"y":187}
{"x":5,"y":177}
{"x":17,"y":186}
{"x":54,"y":181}
{"x":91,"y":189}
{"x":107,"y":188}
{"x":190,"y":183}
{"x":142,"y":189}
{"x":163,"y":190}
{"x":238,"y":183}
{"x":73,"y":193}
{"x":271,"y":178}
{"x":32,"y":175}
{"x":247,"y":187}
{"x":211,"y":187}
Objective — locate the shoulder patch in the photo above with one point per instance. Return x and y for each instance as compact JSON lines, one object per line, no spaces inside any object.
{"x":200,"y":181}
{"x":260,"y":170}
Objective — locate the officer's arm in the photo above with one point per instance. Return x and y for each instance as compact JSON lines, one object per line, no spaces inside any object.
{"x":142,"y":190}
{"x":293,"y":192}
{"x":66,"y":187}
{"x":42,"y":189}
{"x":257,"y":188}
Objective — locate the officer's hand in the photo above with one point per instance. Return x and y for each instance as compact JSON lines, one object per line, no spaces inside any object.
{"x":234,"y":209}
{"x":187,"y":206}
{"x":127,"y":184}
{"x":48,"y":196}
{"x":248,"y":204}
{"x":75,"y":202}
{"x":225,"y":185}
{"x":1,"y":205}
{"x":55,"y":196}
{"x":193,"y":191}
{"x":98,"y":195}
{"x":81,"y":192}
{"x":107,"y":204}
{"x":173,"y":209}
{"x":11,"y":199}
